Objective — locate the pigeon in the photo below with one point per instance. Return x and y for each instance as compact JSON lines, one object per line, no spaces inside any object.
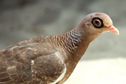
{"x":52,"y":59}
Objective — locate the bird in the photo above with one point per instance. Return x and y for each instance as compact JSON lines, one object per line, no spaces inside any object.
{"x":52,"y":59}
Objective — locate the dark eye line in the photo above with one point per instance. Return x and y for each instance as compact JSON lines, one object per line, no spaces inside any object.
{"x":97,"y":18}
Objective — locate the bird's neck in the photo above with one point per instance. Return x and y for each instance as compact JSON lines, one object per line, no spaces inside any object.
{"x":75,"y":43}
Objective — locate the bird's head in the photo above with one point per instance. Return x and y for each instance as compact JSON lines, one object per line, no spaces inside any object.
{"x":98,"y":23}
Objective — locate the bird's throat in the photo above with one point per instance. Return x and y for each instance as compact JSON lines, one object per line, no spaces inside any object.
{"x":77,"y":43}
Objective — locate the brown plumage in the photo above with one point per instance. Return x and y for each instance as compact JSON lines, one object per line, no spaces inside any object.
{"x":51,"y":59}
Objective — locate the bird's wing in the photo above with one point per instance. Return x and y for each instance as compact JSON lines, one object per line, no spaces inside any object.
{"x":32,"y":62}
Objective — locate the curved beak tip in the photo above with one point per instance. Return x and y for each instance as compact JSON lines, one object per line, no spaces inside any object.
{"x":114,"y":30}
{"x":117,"y":32}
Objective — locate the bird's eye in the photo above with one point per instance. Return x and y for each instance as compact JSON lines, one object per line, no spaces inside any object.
{"x":97,"y":22}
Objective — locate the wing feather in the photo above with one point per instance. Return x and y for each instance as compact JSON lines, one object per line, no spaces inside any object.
{"x":29,"y":62}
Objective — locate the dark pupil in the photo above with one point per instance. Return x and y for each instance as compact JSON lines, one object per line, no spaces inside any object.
{"x":97,"y":22}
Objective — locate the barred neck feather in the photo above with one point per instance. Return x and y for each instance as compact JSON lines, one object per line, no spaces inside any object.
{"x":69,"y":41}
{"x":73,"y":39}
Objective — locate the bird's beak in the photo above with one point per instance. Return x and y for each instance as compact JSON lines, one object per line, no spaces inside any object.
{"x":113,"y":30}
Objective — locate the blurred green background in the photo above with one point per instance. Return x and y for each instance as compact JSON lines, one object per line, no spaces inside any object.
{"x":23,"y":19}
